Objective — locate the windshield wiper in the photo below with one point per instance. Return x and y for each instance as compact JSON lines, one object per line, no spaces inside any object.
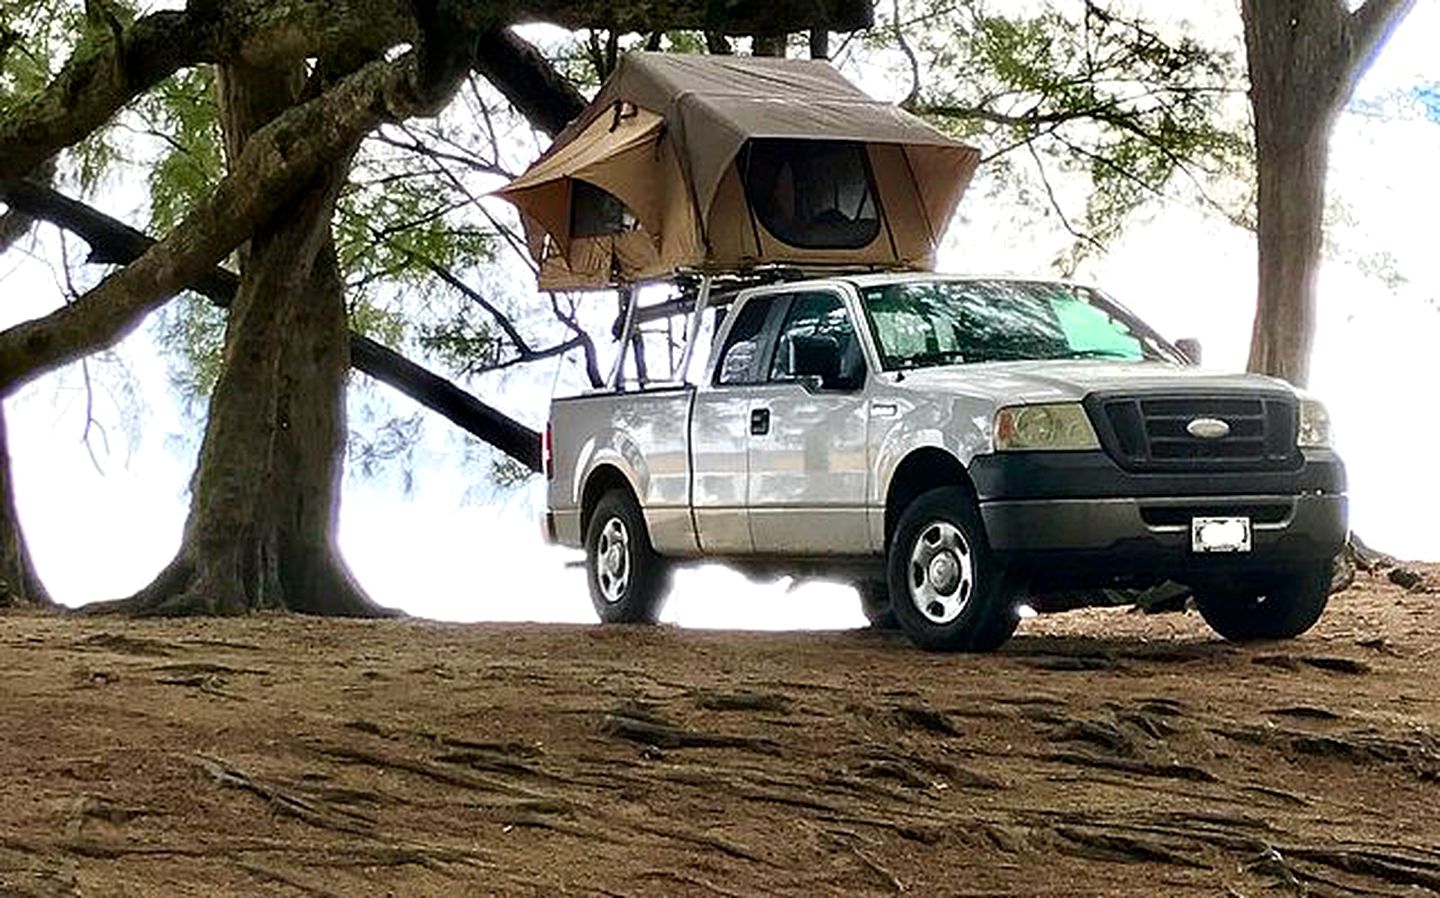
{"x":1100,"y":354}
{"x":927,"y":359}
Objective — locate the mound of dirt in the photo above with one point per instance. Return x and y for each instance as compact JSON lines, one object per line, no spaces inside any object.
{"x":1102,"y":752}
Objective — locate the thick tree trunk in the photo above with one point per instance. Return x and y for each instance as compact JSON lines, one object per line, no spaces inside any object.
{"x":19,"y":586}
{"x":1291,"y":211}
{"x":266,"y":492}
{"x":1304,"y":58}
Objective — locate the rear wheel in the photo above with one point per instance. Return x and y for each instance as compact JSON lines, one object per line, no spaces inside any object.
{"x":628,"y":581}
{"x":1278,"y":606}
{"x":947,"y":591}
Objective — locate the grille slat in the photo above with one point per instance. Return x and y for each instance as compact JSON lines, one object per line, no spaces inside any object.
{"x":1149,"y":432}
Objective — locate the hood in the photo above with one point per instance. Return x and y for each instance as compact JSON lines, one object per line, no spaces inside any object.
{"x":1070,"y":381}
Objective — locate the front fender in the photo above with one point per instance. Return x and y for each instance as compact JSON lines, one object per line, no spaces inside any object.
{"x":960,"y":426}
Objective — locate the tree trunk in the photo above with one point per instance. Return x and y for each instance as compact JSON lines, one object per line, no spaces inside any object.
{"x":19,"y":586}
{"x":1291,"y":175}
{"x":266,"y":492}
{"x":1304,"y":58}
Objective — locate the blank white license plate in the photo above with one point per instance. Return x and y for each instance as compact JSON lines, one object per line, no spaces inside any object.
{"x":1220,"y":534}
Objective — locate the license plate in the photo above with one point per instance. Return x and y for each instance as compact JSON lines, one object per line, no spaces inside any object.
{"x":1220,"y":534}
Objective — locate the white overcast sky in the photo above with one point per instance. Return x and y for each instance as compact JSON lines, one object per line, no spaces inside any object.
{"x":453,"y":547}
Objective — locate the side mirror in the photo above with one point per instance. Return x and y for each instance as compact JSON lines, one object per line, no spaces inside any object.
{"x":815,"y":357}
{"x":1190,"y":348}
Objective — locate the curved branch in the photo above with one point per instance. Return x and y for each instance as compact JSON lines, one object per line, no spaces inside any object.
{"x":115,"y":242}
{"x":97,"y":81}
{"x":276,"y":162}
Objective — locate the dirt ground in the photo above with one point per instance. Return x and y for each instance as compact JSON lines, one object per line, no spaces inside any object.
{"x":1100,"y":753}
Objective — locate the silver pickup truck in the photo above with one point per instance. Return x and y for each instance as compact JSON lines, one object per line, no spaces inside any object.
{"x":954,"y":447}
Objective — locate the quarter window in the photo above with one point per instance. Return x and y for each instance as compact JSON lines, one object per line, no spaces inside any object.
{"x":739,"y":360}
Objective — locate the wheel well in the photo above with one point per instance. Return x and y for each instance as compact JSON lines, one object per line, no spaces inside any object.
{"x":920,"y":472}
{"x":601,"y":481}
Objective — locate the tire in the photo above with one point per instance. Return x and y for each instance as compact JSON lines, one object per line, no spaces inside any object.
{"x":962,"y":604}
{"x":628,"y":581}
{"x":1281,"y":606}
{"x":875,"y":605}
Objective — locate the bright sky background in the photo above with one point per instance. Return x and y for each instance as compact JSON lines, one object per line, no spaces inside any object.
{"x":454,"y":547}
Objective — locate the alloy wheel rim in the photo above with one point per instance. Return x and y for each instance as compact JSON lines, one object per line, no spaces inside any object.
{"x":612,"y":560}
{"x":941,"y":575}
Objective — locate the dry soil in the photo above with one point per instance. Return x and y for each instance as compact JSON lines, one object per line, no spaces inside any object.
{"x":1101,"y":752}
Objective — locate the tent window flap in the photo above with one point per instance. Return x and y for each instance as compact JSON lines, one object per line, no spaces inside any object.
{"x":596,"y":212}
{"x":812,"y":194}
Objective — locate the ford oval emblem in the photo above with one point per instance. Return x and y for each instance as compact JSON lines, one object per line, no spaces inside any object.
{"x":1208,"y":428}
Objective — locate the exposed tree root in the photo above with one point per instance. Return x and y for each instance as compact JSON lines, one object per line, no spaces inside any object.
{"x":185,"y":589}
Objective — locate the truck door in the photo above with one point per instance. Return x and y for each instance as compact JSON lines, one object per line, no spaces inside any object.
{"x":720,"y":431}
{"x":807,"y":449}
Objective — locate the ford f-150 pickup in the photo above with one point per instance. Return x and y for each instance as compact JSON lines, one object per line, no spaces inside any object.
{"x":954,"y":446}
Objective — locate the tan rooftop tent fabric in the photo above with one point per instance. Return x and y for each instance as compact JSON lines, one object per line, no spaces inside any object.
{"x":668,"y":136}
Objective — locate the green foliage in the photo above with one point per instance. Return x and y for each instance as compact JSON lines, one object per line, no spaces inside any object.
{"x":35,"y":38}
{"x":507,"y":473}
{"x":38,"y":37}
{"x":192,"y":331}
{"x":182,"y":114}
{"x":462,"y":342}
{"x":1072,"y":89}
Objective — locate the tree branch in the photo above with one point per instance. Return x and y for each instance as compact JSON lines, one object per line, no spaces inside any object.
{"x":1370,"y":26}
{"x":439,"y":395}
{"x":276,"y":162}
{"x":527,"y":79}
{"x":1372,"y":23}
{"x":115,"y":242}
{"x":95,"y":82}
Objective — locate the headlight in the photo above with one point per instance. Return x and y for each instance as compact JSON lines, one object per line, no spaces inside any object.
{"x":1314,"y":430}
{"x":1061,"y":425}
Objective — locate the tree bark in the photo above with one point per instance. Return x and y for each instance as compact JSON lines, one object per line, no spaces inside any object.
{"x":19,"y":585}
{"x":1304,"y":58}
{"x":528,"y":80}
{"x":768,"y":44}
{"x":1291,"y":197}
{"x":265,"y":501}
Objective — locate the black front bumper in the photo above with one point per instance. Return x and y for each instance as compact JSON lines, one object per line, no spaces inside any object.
{"x":1063,"y":519}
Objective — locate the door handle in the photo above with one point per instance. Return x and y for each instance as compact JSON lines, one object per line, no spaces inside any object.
{"x":759,"y":421}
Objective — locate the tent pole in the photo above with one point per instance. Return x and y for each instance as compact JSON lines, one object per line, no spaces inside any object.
{"x":692,"y":333}
{"x":627,"y":329}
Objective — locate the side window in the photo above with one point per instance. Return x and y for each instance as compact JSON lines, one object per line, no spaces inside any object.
{"x":815,"y":315}
{"x":739,"y":357}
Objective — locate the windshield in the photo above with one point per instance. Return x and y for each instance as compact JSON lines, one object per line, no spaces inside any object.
{"x":923,"y":323}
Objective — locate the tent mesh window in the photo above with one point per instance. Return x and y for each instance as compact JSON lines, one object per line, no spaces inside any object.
{"x":811,"y":194}
{"x":596,"y":212}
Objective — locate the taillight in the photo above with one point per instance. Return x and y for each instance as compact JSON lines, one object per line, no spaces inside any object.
{"x":547,"y":453}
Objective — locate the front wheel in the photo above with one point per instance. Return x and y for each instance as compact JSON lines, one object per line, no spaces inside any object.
{"x":947,"y":591}
{"x":628,"y":581}
{"x":1279,"y":606}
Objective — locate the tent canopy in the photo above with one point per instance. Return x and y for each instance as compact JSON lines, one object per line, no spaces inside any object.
{"x":727,"y":162}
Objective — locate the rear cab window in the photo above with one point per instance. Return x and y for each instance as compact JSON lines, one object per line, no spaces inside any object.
{"x":739,"y":360}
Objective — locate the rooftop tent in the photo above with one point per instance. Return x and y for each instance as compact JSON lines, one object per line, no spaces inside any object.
{"x":722,"y":163}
